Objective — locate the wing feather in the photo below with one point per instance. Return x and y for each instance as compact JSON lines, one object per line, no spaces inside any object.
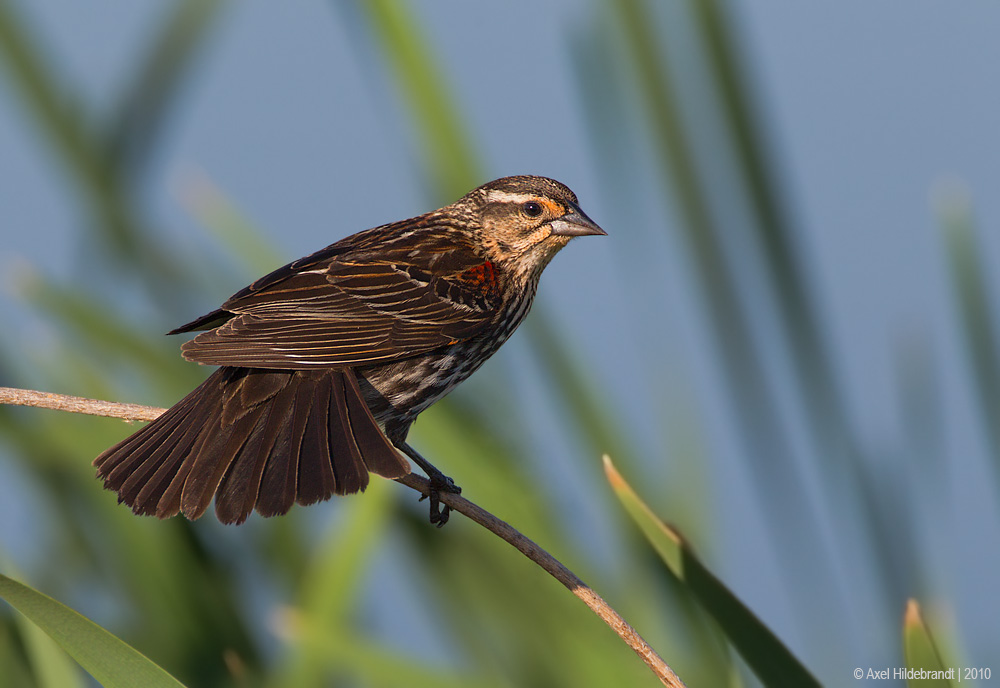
{"x":344,"y":307}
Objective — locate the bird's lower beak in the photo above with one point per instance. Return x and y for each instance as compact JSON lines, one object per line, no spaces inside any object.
{"x":575,"y":223}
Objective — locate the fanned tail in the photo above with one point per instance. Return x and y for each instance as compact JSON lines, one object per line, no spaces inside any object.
{"x":252,"y":439}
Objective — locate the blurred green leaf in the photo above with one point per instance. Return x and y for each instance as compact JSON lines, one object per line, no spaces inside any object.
{"x":597,"y":421}
{"x":343,"y":653}
{"x":91,"y":321}
{"x":109,"y":660}
{"x":328,"y":591}
{"x":15,"y":672}
{"x":50,"y":665}
{"x":138,"y":123}
{"x":979,"y":327}
{"x":447,"y":145}
{"x":65,"y":126}
{"x":54,"y":108}
{"x":227,"y":224}
{"x":770,"y":660}
{"x":773,"y":227}
{"x":74,"y":134}
{"x":920,"y":651}
{"x":733,"y":310}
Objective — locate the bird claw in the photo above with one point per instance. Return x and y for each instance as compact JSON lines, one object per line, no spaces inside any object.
{"x":440,"y":512}
{"x":438,"y":483}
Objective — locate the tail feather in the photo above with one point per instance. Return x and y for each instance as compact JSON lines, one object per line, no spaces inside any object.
{"x":147,"y":501}
{"x":138,"y":462}
{"x":132,"y":455}
{"x":169,"y":503}
{"x":379,"y":455}
{"x":120,"y":461}
{"x":316,"y":480}
{"x":209,"y":466}
{"x":349,"y":470}
{"x":240,"y":488}
{"x":239,"y":485}
{"x":252,"y":439}
{"x":279,"y":481}
{"x":142,"y":479}
{"x":167,"y":450}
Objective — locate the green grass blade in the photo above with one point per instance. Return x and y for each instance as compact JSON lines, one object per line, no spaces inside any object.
{"x":979,"y":328}
{"x":329,"y":589}
{"x":766,"y":655}
{"x":15,"y":671}
{"x":920,"y":651}
{"x":138,"y":124}
{"x":66,"y":124}
{"x":43,"y":95}
{"x":228,"y":224}
{"x":596,"y":420}
{"x":109,"y":660}
{"x":62,"y":121}
{"x":105,"y":334}
{"x":774,"y":228}
{"x":50,"y":666}
{"x":344,"y":653}
{"x":738,"y":351}
{"x":453,"y":162}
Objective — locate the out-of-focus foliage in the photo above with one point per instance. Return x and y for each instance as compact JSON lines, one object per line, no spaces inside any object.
{"x":104,"y":656}
{"x":302,"y":600}
{"x":921,"y":653}
{"x":770,"y":660}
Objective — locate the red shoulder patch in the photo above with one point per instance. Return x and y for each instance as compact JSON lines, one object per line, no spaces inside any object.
{"x":481,"y":278}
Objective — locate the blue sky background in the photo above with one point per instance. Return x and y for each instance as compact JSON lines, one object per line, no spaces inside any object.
{"x":879,"y":113}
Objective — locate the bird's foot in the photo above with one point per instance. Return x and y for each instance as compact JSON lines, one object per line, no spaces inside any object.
{"x":439,"y":483}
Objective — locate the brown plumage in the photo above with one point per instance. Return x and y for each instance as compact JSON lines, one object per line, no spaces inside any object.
{"x":326,"y":362}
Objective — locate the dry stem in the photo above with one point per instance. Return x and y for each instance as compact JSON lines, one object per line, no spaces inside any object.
{"x":134,"y":412}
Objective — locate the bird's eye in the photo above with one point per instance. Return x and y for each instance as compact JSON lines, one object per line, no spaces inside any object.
{"x":532,"y":209}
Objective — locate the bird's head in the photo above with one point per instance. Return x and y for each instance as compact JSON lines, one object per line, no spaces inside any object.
{"x":524,"y":221}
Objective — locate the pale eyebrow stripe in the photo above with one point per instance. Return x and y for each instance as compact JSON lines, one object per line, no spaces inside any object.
{"x":496,"y":196}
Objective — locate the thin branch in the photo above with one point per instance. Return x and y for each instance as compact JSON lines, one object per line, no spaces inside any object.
{"x":137,"y":412}
{"x":65,"y":402}
{"x":556,"y":569}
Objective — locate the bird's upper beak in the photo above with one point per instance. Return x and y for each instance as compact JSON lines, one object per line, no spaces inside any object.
{"x":575,"y":223}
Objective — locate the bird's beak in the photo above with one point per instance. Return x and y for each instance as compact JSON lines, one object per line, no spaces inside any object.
{"x":575,"y":223}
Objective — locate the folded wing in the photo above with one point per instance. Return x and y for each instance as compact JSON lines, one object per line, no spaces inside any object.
{"x":350,"y":305}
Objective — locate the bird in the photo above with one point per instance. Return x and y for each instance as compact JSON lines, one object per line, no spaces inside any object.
{"x":326,"y":362}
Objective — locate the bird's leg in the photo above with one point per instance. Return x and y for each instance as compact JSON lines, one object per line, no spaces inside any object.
{"x":439,"y":483}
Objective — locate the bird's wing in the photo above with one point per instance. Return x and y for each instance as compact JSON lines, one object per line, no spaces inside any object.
{"x":359,"y":302}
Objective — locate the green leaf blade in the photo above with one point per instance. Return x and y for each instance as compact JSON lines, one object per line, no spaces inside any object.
{"x":767,"y":656}
{"x":112,"y":662}
{"x":921,"y":652}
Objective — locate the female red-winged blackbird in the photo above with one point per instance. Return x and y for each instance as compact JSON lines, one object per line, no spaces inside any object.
{"x":327,"y":361}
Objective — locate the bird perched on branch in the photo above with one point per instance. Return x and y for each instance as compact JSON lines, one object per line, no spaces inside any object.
{"x":326,"y":362}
